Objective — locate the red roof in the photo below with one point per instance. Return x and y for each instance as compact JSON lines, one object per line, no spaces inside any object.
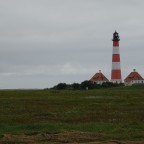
{"x":98,"y":77}
{"x":133,"y":76}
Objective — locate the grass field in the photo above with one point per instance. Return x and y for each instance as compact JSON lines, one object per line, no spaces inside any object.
{"x":109,"y":114}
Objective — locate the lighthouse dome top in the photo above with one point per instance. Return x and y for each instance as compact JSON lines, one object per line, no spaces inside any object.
{"x":116,"y":36}
{"x":115,"y":32}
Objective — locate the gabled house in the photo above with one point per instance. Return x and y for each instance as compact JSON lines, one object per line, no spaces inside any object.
{"x":134,"y":78}
{"x":99,"y":78}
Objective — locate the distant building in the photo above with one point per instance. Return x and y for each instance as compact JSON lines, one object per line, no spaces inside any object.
{"x":134,"y":78}
{"x":99,"y":78}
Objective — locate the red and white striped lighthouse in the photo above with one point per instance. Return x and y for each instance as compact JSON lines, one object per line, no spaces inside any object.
{"x":116,"y":69}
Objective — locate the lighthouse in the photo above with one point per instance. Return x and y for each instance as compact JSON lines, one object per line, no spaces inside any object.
{"x":116,"y":68}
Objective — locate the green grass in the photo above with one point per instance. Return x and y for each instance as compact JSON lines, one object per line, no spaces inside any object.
{"x":114,"y":112}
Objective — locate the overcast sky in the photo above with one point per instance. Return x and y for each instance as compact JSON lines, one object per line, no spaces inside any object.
{"x":45,"y":42}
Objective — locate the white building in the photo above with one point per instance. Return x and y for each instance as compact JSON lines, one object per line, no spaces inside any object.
{"x":134,"y":78}
{"x":99,"y":78}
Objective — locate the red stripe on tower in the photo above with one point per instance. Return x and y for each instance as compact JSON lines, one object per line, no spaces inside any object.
{"x":116,"y":69}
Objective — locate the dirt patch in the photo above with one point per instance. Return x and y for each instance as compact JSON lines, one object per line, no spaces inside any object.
{"x":58,"y":138}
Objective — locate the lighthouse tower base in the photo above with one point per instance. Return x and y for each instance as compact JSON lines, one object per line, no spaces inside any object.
{"x":116,"y":81}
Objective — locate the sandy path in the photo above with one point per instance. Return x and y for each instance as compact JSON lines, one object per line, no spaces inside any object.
{"x":59,"y":138}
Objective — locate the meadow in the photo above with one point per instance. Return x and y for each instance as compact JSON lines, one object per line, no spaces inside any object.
{"x":110,"y":114}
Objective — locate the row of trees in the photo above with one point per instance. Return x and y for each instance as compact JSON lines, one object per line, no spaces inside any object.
{"x":85,"y":85}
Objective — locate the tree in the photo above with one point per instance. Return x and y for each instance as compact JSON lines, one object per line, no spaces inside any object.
{"x":75,"y":86}
{"x":61,"y":86}
{"x":87,"y":84}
